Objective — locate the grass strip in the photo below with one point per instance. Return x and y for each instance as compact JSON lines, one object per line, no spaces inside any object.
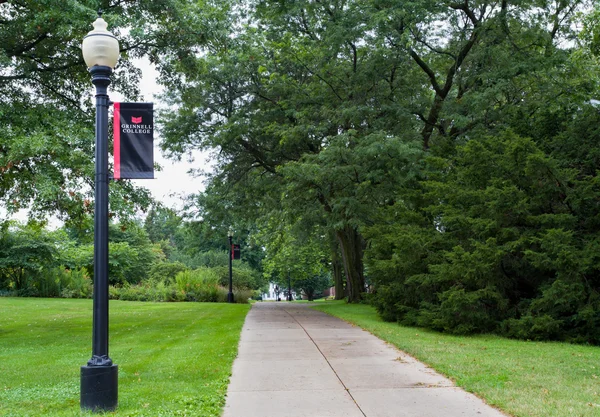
{"x":522,"y":378}
{"x":174,"y":358}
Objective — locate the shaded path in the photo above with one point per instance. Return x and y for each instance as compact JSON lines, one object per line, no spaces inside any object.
{"x":294,"y":361}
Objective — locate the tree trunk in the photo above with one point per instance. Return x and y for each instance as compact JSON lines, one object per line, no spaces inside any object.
{"x":338,"y":279}
{"x":337,"y":270}
{"x":19,"y":278}
{"x":351,"y":245}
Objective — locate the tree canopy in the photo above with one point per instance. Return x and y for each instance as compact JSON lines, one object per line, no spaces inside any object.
{"x":449,"y":145}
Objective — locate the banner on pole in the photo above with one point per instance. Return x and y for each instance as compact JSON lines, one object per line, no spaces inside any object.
{"x":235,"y":253}
{"x":134,"y":140}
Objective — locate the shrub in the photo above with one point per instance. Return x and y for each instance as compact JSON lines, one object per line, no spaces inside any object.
{"x":147,"y":291}
{"x":243,"y":278}
{"x":57,"y":282}
{"x":166,"y":271}
{"x":79,"y":284}
{"x":46,"y":283}
{"x":199,"y":285}
{"x":464,"y":312}
{"x":213,"y":258}
{"x":198,"y":291}
{"x":240,"y":296}
{"x":542,"y":327}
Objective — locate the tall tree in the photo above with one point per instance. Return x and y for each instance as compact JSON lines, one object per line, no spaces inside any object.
{"x":489,"y":245}
{"x":307,"y":78}
{"x":315,"y":107}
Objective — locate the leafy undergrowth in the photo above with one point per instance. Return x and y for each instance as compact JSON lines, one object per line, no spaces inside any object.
{"x":174,"y":359}
{"x":524,"y":379}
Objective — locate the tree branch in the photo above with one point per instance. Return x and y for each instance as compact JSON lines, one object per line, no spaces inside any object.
{"x":28,"y":47}
{"x":426,"y":69}
{"x":431,"y":47}
{"x":258,"y":157}
{"x":354,"y":56}
{"x":465,"y":8}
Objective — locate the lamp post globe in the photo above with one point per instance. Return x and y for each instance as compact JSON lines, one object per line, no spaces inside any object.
{"x":230,"y":293}
{"x":99,"y":378}
{"x":100,"y":47}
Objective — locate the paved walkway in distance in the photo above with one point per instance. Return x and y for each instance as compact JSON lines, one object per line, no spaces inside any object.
{"x":294,"y":361}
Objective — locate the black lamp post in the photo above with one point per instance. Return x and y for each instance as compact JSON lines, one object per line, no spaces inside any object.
{"x":289,"y":287}
{"x":230,"y":293}
{"x":99,"y":378}
{"x":276,"y":292}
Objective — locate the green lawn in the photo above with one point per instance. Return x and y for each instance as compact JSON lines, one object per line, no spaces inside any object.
{"x":525,"y":379}
{"x":174,"y":358}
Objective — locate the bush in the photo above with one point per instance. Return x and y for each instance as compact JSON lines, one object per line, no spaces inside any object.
{"x":464,"y":312}
{"x":533,"y":328}
{"x":57,"y":282}
{"x":191,"y":287}
{"x":564,"y":311}
{"x":199,"y":285}
{"x":166,"y":271}
{"x":242,"y":296}
{"x":79,"y":284}
{"x":147,"y":291}
{"x":243,"y":278}
{"x":213,"y":258}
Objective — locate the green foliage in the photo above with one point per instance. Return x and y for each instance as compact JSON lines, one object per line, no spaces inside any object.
{"x":213,"y":258}
{"x":197,"y":279}
{"x":244,"y":277}
{"x":200,"y":285}
{"x":311,"y":286}
{"x":162,"y":224}
{"x":165,"y":271}
{"x":147,"y":291}
{"x":465,"y":312}
{"x":505,"y":220}
{"x":131,"y":254}
{"x":39,"y":263}
{"x":300,"y":126}
{"x":24,"y":251}
{"x":79,"y":284}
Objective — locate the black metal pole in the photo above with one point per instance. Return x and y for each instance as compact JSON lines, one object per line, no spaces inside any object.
{"x":289,"y":287}
{"x":230,"y":294}
{"x":99,"y":379}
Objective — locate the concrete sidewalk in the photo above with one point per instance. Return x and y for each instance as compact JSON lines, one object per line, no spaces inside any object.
{"x":294,"y":361}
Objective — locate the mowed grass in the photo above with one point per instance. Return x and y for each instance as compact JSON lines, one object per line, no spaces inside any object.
{"x":174,"y":358}
{"x":524,"y":379}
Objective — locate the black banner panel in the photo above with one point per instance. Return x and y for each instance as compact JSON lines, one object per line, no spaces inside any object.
{"x":134,"y":140}
{"x":235,"y":253}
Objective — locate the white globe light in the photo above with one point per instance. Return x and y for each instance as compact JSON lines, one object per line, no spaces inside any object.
{"x":100,"y":47}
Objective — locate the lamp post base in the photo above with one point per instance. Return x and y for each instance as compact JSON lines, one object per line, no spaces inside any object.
{"x":99,"y":388}
{"x":230,"y":297}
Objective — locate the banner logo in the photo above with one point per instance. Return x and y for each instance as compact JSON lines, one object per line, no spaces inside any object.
{"x":136,"y":120}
